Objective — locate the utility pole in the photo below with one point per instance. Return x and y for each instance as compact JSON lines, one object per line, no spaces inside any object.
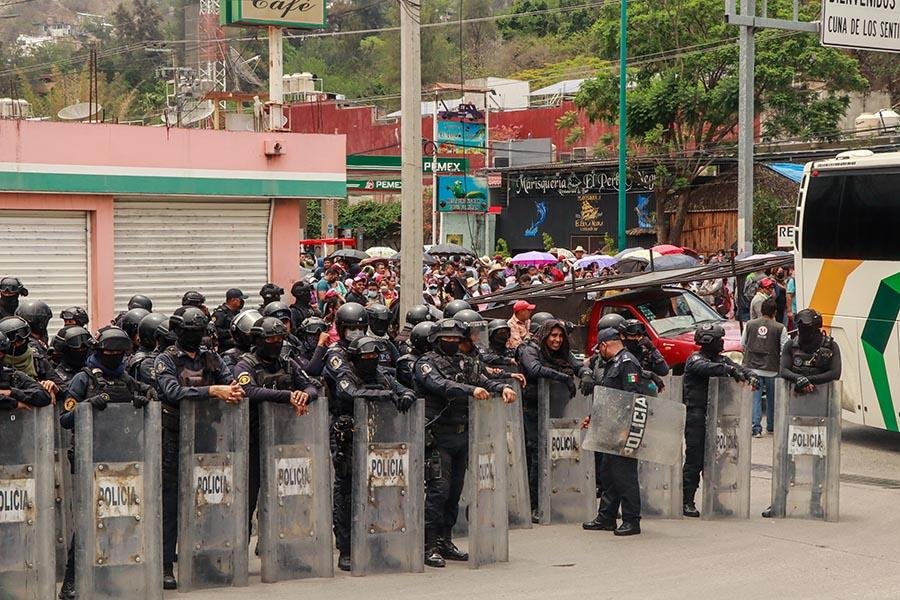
{"x":623,"y":118}
{"x":411,"y":225}
{"x":276,"y":79}
{"x":746,"y":133}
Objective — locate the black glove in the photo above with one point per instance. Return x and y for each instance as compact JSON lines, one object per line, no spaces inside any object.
{"x":754,"y":382}
{"x":404,"y":402}
{"x":570,"y":383}
{"x":587,"y":386}
{"x":801,"y":384}
{"x":734,"y":373}
{"x":139,"y":401}
{"x":660,"y":385}
{"x":99,"y":401}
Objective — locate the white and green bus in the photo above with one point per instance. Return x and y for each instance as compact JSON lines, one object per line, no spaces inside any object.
{"x":848,"y":268}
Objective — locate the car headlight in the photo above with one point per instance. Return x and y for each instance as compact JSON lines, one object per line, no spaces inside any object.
{"x":736,"y":356}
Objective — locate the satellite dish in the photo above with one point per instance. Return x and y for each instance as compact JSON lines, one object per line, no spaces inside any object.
{"x":244,"y":68}
{"x":190,"y":115}
{"x":80,"y":111}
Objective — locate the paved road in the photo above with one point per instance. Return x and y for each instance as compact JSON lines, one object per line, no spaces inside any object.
{"x":760,"y":558}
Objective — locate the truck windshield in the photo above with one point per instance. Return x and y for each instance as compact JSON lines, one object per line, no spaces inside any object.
{"x":677,"y":313}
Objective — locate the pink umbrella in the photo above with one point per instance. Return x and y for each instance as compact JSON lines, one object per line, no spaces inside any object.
{"x":535,"y":259}
{"x":668,"y":249}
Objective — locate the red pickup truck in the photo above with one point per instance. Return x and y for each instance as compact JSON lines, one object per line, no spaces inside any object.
{"x":670,"y":314}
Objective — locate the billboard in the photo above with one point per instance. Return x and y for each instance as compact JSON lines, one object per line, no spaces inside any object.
{"x":462,"y":194}
{"x":307,"y":14}
{"x":461,"y":137}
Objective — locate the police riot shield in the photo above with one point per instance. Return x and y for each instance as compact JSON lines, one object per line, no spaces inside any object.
{"x":118,"y":508}
{"x":567,"y":490}
{"x":64,"y":496}
{"x":488,"y":504}
{"x":295,"y":493}
{"x":387,"y":533}
{"x":661,"y":485}
{"x":519,"y":505}
{"x":807,"y":454}
{"x":212,"y":495}
{"x":726,"y":463}
{"x":27,"y":558}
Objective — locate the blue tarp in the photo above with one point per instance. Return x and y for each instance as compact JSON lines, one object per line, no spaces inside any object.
{"x":792,"y":171}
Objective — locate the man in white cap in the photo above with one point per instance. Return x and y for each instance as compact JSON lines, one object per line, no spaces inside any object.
{"x":578,"y":252}
{"x":519,"y":323}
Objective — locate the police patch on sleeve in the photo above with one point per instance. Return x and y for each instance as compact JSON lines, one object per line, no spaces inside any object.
{"x":344,"y":385}
{"x":335,"y":362}
{"x":425,"y":368}
{"x":243,"y":378}
{"x":160,"y":368}
{"x":632,"y":377}
{"x":70,"y":404}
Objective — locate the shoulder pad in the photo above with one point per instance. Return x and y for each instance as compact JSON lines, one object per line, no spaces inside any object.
{"x":250,"y":359}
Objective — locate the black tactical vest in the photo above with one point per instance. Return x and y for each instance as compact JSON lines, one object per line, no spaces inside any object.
{"x":812,"y":363}
{"x":119,"y":390}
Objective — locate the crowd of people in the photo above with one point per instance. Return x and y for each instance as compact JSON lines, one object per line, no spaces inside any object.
{"x":341,"y":337}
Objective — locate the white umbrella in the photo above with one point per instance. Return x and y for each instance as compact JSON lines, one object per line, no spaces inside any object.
{"x":381,"y":252}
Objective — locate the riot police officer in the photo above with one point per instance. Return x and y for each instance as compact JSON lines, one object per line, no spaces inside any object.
{"x":291,"y":347}
{"x":418,"y":346}
{"x":812,"y":359}
{"x":11,"y":289}
{"x":380,"y":317}
{"x":224,"y":314}
{"x":634,"y":336}
{"x":20,"y":355}
{"x":72,"y":345}
{"x":454,"y":306}
{"x":140,"y":364}
{"x":351,"y":321}
{"x":302,"y":307}
{"x":131,"y":323}
{"x":415,"y":315}
{"x":497,"y":354}
{"x":269,"y":293}
{"x":37,"y":314}
{"x":545,"y":355}
{"x":74,"y":315}
{"x":104,"y":380}
{"x":619,"y":474}
{"x":18,"y":390}
{"x":241,"y":336}
{"x":185,"y":372}
{"x":314,"y":342}
{"x":268,"y":376}
{"x":367,"y":380}
{"x":442,"y":377}
{"x":700,"y":366}
{"x":136,"y":301}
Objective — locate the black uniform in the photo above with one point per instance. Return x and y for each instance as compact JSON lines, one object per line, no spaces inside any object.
{"x":267,"y":381}
{"x":619,"y":474}
{"x":652,"y":363}
{"x":221,"y":319}
{"x":180,"y":378}
{"x":300,"y":312}
{"x":447,"y":383}
{"x":22,"y":388}
{"x":700,"y":366}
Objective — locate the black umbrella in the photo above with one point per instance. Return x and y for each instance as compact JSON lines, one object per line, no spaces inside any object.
{"x":427,"y":259}
{"x":673,"y":261}
{"x":349,"y":254}
{"x":449,"y":250}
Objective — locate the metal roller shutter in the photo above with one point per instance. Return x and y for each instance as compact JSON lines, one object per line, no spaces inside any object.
{"x":48,"y":251}
{"x":165,"y":248}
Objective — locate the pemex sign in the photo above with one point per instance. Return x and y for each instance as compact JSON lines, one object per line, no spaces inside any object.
{"x":307,"y":14}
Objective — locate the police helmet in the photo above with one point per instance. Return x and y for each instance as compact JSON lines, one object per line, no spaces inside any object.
{"x":471,"y":317}
{"x":36,"y":312}
{"x":314,"y":326}
{"x":633,"y":328}
{"x":15,"y":328}
{"x":612,"y":320}
{"x":148,"y":326}
{"x":380,"y":317}
{"x":77,"y":314}
{"x":271,"y":292}
{"x":163,"y":335}
{"x":808,"y":318}
{"x":446,"y":328}
{"x":366,"y":345}
{"x":418,"y":314}
{"x":418,"y":337}
{"x":140,"y":301}
{"x":708,"y":333}
{"x":268,"y":327}
{"x":277,"y":309}
{"x":350,"y":314}
{"x":4,"y":343}
{"x":193,"y":298}
{"x":244,"y":321}
{"x":13,"y":285}
{"x":538,"y":319}
{"x":454,"y":306}
{"x":113,"y":339}
{"x":73,"y":337}
{"x":301,"y":289}
{"x":131,"y":321}
{"x":188,"y":318}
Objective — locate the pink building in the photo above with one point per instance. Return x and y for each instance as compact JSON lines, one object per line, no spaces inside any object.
{"x":91,"y":214}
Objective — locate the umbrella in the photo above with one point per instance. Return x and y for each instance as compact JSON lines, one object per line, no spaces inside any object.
{"x":374,"y":260}
{"x":668,"y":249}
{"x":637,"y":253}
{"x":449,"y":250}
{"x":563,"y":253}
{"x":380,"y":252}
{"x":601,"y":260}
{"x":349,"y":254}
{"x":632,"y":264}
{"x":673,"y":261}
{"x":427,"y":259}
{"x":536,"y":259}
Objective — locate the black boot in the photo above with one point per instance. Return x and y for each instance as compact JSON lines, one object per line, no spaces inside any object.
{"x":628,"y":528}
{"x":690,"y":510}
{"x":344,"y":563}
{"x":67,"y":592}
{"x":767,"y":514}
{"x":599,"y":524}
{"x":535,"y":517}
{"x":433,"y":558}
{"x":449,"y":550}
{"x":169,"y":582}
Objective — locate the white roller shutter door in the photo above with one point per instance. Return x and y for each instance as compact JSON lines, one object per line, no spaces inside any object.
{"x":166,"y":248}
{"x":48,"y":251}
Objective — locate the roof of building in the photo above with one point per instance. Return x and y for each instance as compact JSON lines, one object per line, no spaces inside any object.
{"x":569,"y":87}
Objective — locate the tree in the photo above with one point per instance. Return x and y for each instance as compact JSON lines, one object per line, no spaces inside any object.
{"x":682,"y":104}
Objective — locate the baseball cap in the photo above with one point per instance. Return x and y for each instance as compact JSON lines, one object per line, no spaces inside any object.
{"x":766,"y":282}
{"x":522,"y":305}
{"x":235,"y":293}
{"x":606,"y":334}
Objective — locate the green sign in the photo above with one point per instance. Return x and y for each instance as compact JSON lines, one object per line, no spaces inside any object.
{"x":375,"y":185}
{"x":363,"y":162}
{"x":306,"y":14}
{"x":462,"y":194}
